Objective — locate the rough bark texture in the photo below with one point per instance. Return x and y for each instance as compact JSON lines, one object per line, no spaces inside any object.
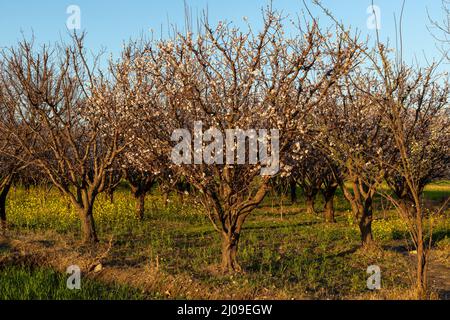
{"x":88,"y":225}
{"x":328,"y":196}
{"x":230,"y":244}
{"x":228,"y":220}
{"x":85,"y":205}
{"x":362,"y":209}
{"x":365,"y":223}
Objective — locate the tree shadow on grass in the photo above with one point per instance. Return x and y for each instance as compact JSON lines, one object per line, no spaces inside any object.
{"x":398,"y":248}
{"x":4,"y":246}
{"x":408,"y":245}
{"x":438,"y":236}
{"x":274,"y":227}
{"x":46,"y":243}
{"x":278,"y":266}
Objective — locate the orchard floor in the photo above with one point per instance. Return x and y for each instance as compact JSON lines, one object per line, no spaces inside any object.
{"x":174,"y":253}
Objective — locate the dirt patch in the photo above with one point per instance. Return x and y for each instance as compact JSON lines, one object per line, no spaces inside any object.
{"x":99,"y":263}
{"x":95,"y":263}
{"x":439,"y":273}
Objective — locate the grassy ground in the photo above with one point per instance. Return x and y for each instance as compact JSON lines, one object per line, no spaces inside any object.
{"x":173,"y":253}
{"x":23,"y":282}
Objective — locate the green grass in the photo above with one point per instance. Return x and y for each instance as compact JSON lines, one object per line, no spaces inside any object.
{"x":19,"y":282}
{"x":282,"y":248}
{"x":437,"y":191}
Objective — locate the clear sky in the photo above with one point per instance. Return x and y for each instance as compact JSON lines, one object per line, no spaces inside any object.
{"x":109,"y":23}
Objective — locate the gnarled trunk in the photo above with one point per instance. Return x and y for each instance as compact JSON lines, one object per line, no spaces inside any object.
{"x":88,"y":225}
{"x":85,"y":205}
{"x":365,"y":223}
{"x":362,"y":209}
{"x":230,"y":244}
{"x":229,"y":219}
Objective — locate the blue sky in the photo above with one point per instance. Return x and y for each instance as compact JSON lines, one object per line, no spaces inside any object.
{"x":109,"y":23}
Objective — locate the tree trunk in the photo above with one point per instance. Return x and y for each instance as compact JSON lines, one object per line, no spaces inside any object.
{"x":421,"y":281}
{"x":140,"y":205}
{"x":362,"y":210}
{"x":293,"y":189}
{"x":88,"y":225}
{"x":139,"y":192}
{"x":421,"y":271}
{"x":329,"y":210}
{"x":310,"y":205}
{"x":3,"y":196}
{"x":328,"y":196}
{"x":181,"y":197}
{"x":229,"y":253}
{"x":166,"y":199}
{"x":111,"y":196}
{"x":365,"y":223}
